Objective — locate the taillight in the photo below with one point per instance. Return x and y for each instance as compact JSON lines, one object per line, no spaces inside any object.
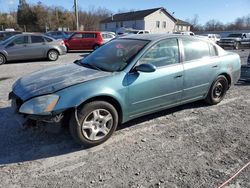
{"x":62,"y":42}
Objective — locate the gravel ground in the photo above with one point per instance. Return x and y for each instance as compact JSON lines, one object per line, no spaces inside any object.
{"x":193,"y":145}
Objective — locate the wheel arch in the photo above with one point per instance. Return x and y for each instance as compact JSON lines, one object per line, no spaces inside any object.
{"x":54,"y":50}
{"x":110,"y":100}
{"x":228,"y":77}
{"x":5,"y":56}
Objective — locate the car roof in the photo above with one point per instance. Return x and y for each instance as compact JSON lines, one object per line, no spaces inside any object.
{"x":33,"y":34}
{"x":87,"y":31}
{"x":156,"y":37}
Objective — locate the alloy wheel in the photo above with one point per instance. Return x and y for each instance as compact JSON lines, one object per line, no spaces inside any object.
{"x":97,"y":124}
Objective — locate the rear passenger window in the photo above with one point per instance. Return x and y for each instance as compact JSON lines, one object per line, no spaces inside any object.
{"x":213,"y":50}
{"x":195,"y":49}
{"x":162,"y":54}
{"x":89,"y":35}
{"x":77,"y":36}
{"x":47,"y":39}
{"x":37,"y":39}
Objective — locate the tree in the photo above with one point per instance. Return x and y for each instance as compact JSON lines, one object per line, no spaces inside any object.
{"x":25,"y":17}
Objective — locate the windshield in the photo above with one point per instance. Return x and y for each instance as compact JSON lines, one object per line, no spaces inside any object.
{"x":115,"y":55}
{"x":6,"y":41}
{"x":235,"y":35}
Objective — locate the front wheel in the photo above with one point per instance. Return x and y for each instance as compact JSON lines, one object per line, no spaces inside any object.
{"x":2,"y":59}
{"x":217,"y":91}
{"x":53,"y":55}
{"x":96,"y":122}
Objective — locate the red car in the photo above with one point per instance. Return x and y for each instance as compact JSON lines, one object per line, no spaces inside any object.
{"x":86,"y":40}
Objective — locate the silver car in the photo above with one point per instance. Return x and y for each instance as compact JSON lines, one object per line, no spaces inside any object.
{"x":31,"y":46}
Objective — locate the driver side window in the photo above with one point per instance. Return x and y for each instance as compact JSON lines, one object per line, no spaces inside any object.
{"x":164,"y":53}
{"x":21,"y":40}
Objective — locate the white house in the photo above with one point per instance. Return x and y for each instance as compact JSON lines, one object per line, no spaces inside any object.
{"x":157,"y":20}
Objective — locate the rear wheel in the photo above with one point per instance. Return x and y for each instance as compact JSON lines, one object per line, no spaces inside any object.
{"x":95,"y":47}
{"x":2,"y":59}
{"x":53,"y":55}
{"x":96,"y":122}
{"x":217,"y":91}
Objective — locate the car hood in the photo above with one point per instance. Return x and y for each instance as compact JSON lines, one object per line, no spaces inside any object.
{"x":54,"y":79}
{"x":231,"y":38}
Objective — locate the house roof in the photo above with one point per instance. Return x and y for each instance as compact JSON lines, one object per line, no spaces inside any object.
{"x":135,"y":15}
{"x":180,"y":22}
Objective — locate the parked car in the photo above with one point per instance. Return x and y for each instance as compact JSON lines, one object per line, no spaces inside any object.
{"x":58,"y":34}
{"x":185,"y":33}
{"x":245,"y":42}
{"x":127,"y":78}
{"x":213,"y":37}
{"x":245,"y":71}
{"x":6,"y":34}
{"x":233,"y":40}
{"x":107,"y":36}
{"x":30,"y":46}
{"x":86,"y":40}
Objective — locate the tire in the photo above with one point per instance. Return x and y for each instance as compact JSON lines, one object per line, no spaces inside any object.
{"x":2,"y":59}
{"x":217,"y":91}
{"x":236,"y":45}
{"x":52,"y":55}
{"x":67,"y":49}
{"x":93,"y":129}
{"x":95,"y":47}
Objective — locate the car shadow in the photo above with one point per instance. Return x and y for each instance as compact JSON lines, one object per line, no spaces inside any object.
{"x":19,"y":145}
{"x":28,"y":61}
{"x":197,"y":104}
{"x":243,"y":83}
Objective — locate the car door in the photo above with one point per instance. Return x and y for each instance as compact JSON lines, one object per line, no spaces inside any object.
{"x":37,"y":47}
{"x":201,"y":65}
{"x":162,"y":88}
{"x":75,"y":42}
{"x":18,"y":48}
{"x":88,"y":41}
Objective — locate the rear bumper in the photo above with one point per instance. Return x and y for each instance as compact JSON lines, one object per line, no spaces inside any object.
{"x":63,"y":50}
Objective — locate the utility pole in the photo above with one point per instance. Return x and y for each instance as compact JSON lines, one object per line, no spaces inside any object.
{"x":76,"y":15}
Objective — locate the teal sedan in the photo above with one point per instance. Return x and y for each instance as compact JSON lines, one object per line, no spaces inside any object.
{"x":128,"y":77}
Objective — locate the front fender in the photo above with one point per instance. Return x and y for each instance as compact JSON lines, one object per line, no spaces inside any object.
{"x":74,"y":96}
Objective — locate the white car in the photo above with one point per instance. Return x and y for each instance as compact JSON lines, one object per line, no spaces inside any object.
{"x":213,"y":37}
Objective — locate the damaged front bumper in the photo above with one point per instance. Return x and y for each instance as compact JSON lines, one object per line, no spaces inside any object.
{"x":16,"y":103}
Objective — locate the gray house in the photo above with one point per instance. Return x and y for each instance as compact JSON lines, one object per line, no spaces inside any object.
{"x":157,"y":20}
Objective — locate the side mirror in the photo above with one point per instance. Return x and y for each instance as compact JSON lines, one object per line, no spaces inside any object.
{"x":145,"y":68}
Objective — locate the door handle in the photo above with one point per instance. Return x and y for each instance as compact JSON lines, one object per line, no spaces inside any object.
{"x":179,"y":76}
{"x":215,"y":66}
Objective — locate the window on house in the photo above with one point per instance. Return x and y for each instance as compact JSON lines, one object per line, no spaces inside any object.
{"x":117,"y":24}
{"x":157,"y":24}
{"x":164,"y":25}
{"x":121,"y":24}
{"x":106,"y":26}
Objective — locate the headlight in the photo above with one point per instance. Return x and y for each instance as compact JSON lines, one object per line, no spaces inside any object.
{"x":40,"y":105}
